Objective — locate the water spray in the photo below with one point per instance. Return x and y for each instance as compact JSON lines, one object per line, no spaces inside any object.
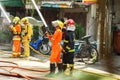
{"x":41,"y":16}
{"x":4,"y":12}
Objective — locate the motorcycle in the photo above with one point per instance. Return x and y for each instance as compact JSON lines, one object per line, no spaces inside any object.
{"x":41,"y":45}
{"x":86,"y":50}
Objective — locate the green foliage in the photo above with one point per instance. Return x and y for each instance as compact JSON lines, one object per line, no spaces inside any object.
{"x":5,"y":36}
{"x":80,"y":31}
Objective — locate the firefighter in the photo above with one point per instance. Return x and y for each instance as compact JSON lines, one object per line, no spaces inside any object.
{"x":56,"y":47}
{"x":27,"y":33}
{"x":16,"y":31}
{"x":68,"y":47}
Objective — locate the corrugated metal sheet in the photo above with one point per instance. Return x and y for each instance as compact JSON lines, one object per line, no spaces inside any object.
{"x":57,"y":4}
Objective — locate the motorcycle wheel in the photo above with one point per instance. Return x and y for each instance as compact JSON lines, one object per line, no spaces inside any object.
{"x":45,"y":49}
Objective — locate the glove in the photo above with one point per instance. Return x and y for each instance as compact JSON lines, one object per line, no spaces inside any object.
{"x":48,"y":30}
{"x":46,"y":33}
{"x":65,"y":50}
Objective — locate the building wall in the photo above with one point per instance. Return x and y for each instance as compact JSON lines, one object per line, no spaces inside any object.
{"x":91,"y":28}
{"x":117,"y":12}
{"x":78,"y":17}
{"x":51,"y":14}
{"x":116,"y":27}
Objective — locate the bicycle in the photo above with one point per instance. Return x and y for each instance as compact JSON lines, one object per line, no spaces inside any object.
{"x":86,"y":51}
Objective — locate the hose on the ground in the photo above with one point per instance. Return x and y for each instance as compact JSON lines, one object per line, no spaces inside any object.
{"x":9,"y":62}
{"x":38,"y":52}
{"x":26,"y":68}
{"x":14,"y":74}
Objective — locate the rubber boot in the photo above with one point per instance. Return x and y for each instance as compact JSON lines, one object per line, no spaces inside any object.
{"x":71,"y":68}
{"x":52,"y":70}
{"x":64,"y":67}
{"x":14,"y":55}
{"x":60,"y":68}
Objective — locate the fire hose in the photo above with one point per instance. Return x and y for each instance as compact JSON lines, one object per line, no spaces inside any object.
{"x":15,"y":74}
{"x":38,"y":52}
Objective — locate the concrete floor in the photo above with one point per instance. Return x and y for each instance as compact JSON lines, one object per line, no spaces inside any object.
{"x":43,"y":64}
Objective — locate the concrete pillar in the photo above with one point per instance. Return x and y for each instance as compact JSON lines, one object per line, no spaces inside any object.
{"x":91,"y":22}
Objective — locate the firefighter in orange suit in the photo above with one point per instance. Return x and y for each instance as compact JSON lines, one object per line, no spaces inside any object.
{"x":16,"y":30}
{"x":56,"y":46}
{"x":27,"y":33}
{"x":68,"y":47}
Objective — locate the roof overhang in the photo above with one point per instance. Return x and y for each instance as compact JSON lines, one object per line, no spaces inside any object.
{"x":12,"y":3}
{"x":57,"y":4}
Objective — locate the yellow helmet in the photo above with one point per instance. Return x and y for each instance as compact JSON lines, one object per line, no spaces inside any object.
{"x":60,"y":23}
{"x":16,"y":20}
{"x":57,"y":23}
{"x":25,"y":20}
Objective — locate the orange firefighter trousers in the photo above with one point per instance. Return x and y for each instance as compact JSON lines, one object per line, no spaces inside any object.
{"x":16,"y":46}
{"x":16,"y":30}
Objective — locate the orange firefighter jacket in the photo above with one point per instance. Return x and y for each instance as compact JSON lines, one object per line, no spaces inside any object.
{"x":56,"y":46}
{"x":16,"y":30}
{"x":56,"y":38}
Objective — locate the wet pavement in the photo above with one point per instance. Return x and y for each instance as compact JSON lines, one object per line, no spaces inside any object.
{"x":41,"y":65}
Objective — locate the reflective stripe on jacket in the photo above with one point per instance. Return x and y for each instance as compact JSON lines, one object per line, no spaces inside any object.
{"x":68,"y":45}
{"x":16,"y":29}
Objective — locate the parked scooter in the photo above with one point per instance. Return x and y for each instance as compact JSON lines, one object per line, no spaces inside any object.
{"x":86,"y":51}
{"x":41,"y":45}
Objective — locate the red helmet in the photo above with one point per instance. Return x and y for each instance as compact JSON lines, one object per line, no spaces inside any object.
{"x":70,"y":22}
